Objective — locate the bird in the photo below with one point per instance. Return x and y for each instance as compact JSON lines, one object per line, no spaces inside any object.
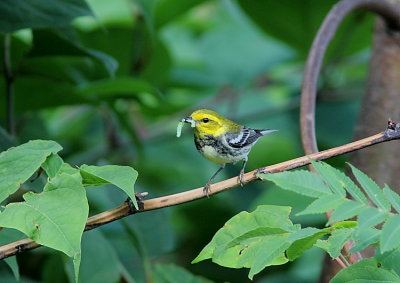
{"x":222,"y":141}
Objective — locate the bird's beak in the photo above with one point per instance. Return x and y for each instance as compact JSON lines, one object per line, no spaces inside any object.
{"x":189,"y":120}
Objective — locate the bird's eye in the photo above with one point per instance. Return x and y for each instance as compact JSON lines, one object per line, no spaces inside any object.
{"x":205,"y":120}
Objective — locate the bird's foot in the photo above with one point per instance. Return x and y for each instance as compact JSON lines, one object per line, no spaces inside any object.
{"x":240,"y":178}
{"x":207,"y":189}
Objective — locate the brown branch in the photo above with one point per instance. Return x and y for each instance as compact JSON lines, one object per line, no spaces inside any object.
{"x":388,"y":9}
{"x":392,"y":133}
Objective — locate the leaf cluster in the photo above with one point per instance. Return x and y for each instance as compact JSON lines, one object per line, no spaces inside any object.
{"x":267,"y":237}
{"x":56,"y":216}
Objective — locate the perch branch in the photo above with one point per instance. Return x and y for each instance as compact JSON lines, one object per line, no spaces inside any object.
{"x":392,"y":133}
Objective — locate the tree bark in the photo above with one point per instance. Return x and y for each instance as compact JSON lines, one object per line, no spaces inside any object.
{"x":380,"y":102}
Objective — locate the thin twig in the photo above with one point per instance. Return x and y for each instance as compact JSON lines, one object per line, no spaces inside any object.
{"x":340,"y":261}
{"x":187,"y":196}
{"x":9,"y":84}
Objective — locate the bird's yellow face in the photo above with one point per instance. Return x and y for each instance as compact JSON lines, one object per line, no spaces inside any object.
{"x":208,"y":122}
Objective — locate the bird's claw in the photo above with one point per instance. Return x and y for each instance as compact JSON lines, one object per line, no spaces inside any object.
{"x":207,"y":190}
{"x":240,"y":178}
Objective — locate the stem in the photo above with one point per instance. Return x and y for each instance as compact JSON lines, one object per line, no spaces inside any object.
{"x":9,"y":83}
{"x":187,"y":196}
{"x":345,"y":261}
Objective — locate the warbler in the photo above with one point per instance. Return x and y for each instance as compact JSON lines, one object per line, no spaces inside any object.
{"x":222,"y":141}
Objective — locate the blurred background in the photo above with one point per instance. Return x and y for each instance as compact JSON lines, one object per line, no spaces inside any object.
{"x":112,"y":87}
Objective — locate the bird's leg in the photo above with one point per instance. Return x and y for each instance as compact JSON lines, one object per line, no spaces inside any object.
{"x":206,"y":188}
{"x":242,"y":172}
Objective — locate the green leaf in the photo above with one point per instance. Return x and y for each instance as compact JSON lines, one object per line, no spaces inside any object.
{"x":268,"y":251}
{"x":365,"y":237}
{"x":168,"y":10}
{"x":298,"y":247}
{"x":52,"y":165}
{"x":100,"y":262}
{"x":336,"y":241}
{"x":389,"y":260}
{"x":121,"y":86}
{"x":393,"y":197}
{"x":371,"y":216}
{"x":42,"y":13}
{"x":301,"y":181}
{"x":170,"y":273}
{"x":323,"y":204}
{"x":347,"y":210}
{"x":242,"y":223}
{"x":259,"y":239}
{"x":54,"y":218}
{"x":19,"y":163}
{"x":351,"y":188}
{"x":49,"y":43}
{"x":124,"y":177}
{"x":13,"y":264}
{"x":371,"y":188}
{"x":259,"y":232}
{"x":330,"y":176}
{"x":390,"y":238}
{"x":8,"y":236}
{"x":367,"y":270}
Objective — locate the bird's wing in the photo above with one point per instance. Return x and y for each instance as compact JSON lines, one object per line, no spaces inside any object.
{"x":243,"y":138}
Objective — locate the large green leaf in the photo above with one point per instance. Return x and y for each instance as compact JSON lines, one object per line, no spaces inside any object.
{"x":334,"y":244}
{"x":389,"y":260}
{"x":324,"y":204}
{"x":52,"y":165}
{"x":124,"y":177}
{"x":351,"y":188}
{"x":366,"y":271}
{"x":372,"y":189}
{"x":258,"y":239}
{"x":100,"y":262}
{"x":298,"y":247}
{"x":47,"y":42}
{"x":364,"y":237}
{"x":390,"y":237}
{"x":347,"y":210}
{"x":19,"y":163}
{"x":117,"y":87}
{"x":301,"y":181}
{"x":19,"y":14}
{"x":371,"y":217}
{"x":393,"y":197}
{"x":54,"y":218}
{"x":264,"y":216}
{"x":330,"y":176}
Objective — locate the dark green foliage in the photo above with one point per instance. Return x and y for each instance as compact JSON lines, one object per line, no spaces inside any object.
{"x":108,"y":80}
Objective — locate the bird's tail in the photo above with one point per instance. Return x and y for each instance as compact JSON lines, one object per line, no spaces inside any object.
{"x":264,"y":132}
